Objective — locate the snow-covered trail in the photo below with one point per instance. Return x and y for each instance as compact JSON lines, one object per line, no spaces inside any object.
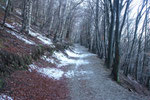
{"x":94,"y":83}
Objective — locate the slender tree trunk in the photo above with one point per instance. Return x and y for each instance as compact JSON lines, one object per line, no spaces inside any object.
{"x":105,"y":47}
{"x":126,"y":58}
{"x":97,"y":27}
{"x":6,"y":12}
{"x":27,"y":15}
{"x":139,"y":52}
{"x":111,"y":37}
{"x":144,"y":64}
{"x":115,"y":71}
{"x":30,"y":16}
{"x":124,"y":17}
{"x":37,"y":12}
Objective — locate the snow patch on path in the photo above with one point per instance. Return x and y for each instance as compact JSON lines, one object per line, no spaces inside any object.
{"x":64,"y":60}
{"x":77,"y":55}
{"x":72,"y":73}
{"x":72,"y":54}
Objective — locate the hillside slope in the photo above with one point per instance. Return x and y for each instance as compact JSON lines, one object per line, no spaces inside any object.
{"x":18,"y":50}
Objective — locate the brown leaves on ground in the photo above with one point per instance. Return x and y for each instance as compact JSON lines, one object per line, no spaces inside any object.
{"x":11,"y":44}
{"x":24,"y":85}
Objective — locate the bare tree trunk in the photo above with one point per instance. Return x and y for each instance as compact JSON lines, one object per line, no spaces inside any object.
{"x":139,"y":52}
{"x":37,"y":12}
{"x":115,"y":71}
{"x":124,"y":17}
{"x":105,"y":45}
{"x":6,"y":12}
{"x":111,"y":37}
{"x":126,"y":58}
{"x":145,"y":45}
{"x":27,"y":15}
{"x":97,"y":27}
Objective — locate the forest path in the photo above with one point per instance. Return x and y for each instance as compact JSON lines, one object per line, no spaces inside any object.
{"x":91,"y":81}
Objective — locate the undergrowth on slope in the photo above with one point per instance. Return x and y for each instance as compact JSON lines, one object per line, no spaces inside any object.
{"x":10,"y":62}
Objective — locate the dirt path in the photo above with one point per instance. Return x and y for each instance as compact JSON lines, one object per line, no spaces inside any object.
{"x":91,"y":81}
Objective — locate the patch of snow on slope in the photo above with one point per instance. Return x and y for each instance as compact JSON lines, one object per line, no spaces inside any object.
{"x":8,"y":25}
{"x":49,"y":60}
{"x":50,"y":72}
{"x":32,"y":67}
{"x":16,"y":24}
{"x":21,"y":37}
{"x":60,"y":56}
{"x":2,"y":7}
{"x":45,"y":40}
{"x":18,"y":11}
{"x":5,"y":97}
